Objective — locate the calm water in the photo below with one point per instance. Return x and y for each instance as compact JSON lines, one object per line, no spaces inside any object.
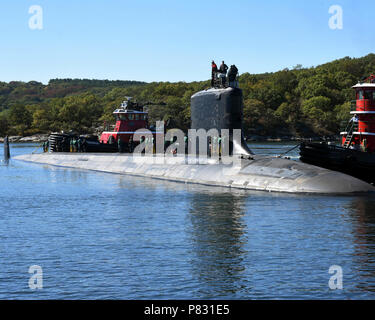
{"x":104,"y":236}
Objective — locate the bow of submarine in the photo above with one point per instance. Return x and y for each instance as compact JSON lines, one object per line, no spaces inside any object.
{"x":293,"y":176}
{"x":223,"y":109}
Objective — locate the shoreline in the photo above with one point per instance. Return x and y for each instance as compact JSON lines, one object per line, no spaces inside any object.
{"x":39,"y":138}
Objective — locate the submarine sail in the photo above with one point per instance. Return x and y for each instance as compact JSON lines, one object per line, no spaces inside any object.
{"x":220,"y":108}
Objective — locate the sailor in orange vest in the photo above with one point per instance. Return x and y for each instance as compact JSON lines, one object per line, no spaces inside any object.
{"x":214,"y":72}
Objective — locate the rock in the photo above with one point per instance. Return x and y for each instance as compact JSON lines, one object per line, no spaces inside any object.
{"x":30,"y":139}
{"x":34,"y":138}
{"x":14,"y":138}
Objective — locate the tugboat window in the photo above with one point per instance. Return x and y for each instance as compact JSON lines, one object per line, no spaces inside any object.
{"x":368,"y":95}
{"x":122,"y":117}
{"x":131,"y":116}
{"x":360,"y":95}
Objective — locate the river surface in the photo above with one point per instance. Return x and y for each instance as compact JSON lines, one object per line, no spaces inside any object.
{"x":106,"y":236}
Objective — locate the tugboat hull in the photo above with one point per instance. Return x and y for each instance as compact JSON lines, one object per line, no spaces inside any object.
{"x":352,"y":162}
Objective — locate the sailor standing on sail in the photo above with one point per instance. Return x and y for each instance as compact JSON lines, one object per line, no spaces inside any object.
{"x":213,"y":73}
{"x":232,"y":75}
{"x":223,"y":70}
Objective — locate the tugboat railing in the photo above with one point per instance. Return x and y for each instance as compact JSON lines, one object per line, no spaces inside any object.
{"x":351,"y":128}
{"x":221,"y":80}
{"x":368,"y":105}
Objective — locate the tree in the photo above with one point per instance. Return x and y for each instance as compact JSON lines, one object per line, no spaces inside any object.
{"x":322,"y":103}
{"x":4,"y":125}
{"x":265,"y":92}
{"x":80,"y":112}
{"x":42,"y":120}
{"x":318,"y":111}
{"x":289,"y":112}
{"x":20,"y":118}
{"x":316,"y":98}
{"x":343,"y":114}
{"x":315,"y":86}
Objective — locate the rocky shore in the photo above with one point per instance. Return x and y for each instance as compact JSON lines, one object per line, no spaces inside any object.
{"x":290,"y":138}
{"x":37,"y":138}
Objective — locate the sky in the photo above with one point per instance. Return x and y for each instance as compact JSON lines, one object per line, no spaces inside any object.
{"x":175,"y":40}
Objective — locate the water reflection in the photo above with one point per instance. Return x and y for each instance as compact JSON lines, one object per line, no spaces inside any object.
{"x":217,"y":237}
{"x":4,"y":162}
{"x":363,"y":214}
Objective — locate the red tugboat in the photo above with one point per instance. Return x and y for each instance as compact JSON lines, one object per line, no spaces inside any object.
{"x":356,"y":155}
{"x":130,"y":117}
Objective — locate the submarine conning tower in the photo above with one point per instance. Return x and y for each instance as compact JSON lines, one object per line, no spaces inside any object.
{"x":220,"y":108}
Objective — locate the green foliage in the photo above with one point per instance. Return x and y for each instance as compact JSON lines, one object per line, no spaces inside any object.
{"x":253,"y":111}
{"x":80,"y":112}
{"x":342,"y":113}
{"x":20,"y":119}
{"x":4,"y":125}
{"x":289,"y":112}
{"x":301,"y":101}
{"x":319,"y":115}
{"x":322,"y":103}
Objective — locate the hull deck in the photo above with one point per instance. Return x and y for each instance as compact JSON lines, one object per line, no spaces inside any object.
{"x":260,"y":173}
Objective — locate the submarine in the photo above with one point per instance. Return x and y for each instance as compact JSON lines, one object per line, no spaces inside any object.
{"x":219,"y":107}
